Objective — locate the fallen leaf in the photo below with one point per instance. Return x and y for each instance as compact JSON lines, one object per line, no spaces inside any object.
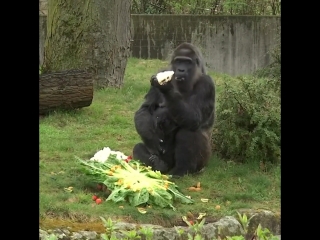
{"x":142,"y":210}
{"x":204,"y":199}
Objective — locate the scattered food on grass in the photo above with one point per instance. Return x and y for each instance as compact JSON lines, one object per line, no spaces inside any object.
{"x":194,"y":189}
{"x":204,"y":199}
{"x":68,"y":189}
{"x":134,"y":182}
{"x":217,"y":207}
{"x":94,"y":197}
{"x":142,"y":210}
{"x":187,"y":220}
{"x":98,"y":201}
{"x":129,"y":158}
{"x":103,"y":155}
{"x":201,"y":215}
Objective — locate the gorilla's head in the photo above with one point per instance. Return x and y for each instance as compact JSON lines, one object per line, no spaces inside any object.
{"x":187,"y":64}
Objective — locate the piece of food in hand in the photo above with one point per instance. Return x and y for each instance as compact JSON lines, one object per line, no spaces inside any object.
{"x":164,"y":77}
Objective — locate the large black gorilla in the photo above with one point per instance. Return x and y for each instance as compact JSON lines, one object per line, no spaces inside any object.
{"x":176,"y":118}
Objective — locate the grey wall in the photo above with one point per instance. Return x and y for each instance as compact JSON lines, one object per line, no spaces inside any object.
{"x":42,"y":36}
{"x":230,"y":44}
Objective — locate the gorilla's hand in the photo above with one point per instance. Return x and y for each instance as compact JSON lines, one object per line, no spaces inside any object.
{"x":158,"y":164}
{"x":163,"y":122}
{"x":163,"y":88}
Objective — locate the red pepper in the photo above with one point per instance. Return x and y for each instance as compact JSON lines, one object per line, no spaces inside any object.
{"x":129,"y":158}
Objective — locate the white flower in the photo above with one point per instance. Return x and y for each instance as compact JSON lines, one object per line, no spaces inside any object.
{"x":103,"y":155}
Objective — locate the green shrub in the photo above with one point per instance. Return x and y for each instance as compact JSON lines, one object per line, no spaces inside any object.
{"x":247,"y":126}
{"x":273,"y":70}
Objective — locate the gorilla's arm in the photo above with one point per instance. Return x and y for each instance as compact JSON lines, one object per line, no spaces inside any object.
{"x":144,"y":120}
{"x":197,"y":110}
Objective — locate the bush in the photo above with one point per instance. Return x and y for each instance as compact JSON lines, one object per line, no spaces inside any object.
{"x":273,"y":70}
{"x":248,"y":119}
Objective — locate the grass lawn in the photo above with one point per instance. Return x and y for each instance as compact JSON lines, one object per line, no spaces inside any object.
{"x":109,"y":122}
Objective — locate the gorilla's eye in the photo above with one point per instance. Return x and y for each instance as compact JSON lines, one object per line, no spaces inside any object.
{"x":183,"y":61}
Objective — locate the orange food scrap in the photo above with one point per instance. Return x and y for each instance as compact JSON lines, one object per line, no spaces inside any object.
{"x":194,"y":189}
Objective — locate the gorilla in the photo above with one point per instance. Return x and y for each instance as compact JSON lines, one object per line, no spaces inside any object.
{"x":175,"y":120}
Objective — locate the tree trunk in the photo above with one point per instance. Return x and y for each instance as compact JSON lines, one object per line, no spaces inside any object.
{"x":65,"y":90}
{"x":89,"y":34}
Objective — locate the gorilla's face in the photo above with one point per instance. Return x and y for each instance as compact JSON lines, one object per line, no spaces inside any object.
{"x":185,"y":65}
{"x":183,"y":68}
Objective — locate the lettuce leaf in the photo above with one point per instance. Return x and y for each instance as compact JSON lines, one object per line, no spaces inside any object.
{"x":139,"y":197}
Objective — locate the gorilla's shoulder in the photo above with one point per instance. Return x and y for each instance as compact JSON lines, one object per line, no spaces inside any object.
{"x":206,"y":80}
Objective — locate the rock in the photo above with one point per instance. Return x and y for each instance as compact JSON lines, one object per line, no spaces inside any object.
{"x":89,"y":234}
{"x":43,"y":234}
{"x":266,"y":218}
{"x":76,"y":235}
{"x":226,"y":226}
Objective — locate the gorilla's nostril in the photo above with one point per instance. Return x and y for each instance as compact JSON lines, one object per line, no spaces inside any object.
{"x":180,"y":70}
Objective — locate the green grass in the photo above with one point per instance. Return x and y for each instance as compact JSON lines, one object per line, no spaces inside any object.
{"x":109,"y":122}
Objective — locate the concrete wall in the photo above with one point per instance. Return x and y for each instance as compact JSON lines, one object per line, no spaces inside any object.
{"x":230,"y":44}
{"x":43,"y":12}
{"x":42,"y":37}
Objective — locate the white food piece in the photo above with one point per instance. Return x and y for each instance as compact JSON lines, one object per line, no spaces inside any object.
{"x":103,"y":155}
{"x":164,"y":77}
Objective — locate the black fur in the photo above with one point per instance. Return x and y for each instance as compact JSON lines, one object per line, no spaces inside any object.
{"x":176,"y":119}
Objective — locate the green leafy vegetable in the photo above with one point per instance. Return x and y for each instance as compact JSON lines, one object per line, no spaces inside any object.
{"x":134,"y":182}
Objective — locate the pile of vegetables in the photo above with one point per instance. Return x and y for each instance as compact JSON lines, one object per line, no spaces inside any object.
{"x":134,"y":182}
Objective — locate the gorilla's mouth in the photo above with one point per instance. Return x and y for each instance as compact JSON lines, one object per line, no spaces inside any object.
{"x":179,"y":78}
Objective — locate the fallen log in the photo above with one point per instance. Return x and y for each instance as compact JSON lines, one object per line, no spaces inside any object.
{"x":66,"y":90}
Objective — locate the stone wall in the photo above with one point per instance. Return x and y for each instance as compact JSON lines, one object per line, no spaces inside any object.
{"x":230,"y":44}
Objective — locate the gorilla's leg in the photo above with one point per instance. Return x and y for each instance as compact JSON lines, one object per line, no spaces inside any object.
{"x":140,"y":152}
{"x":192,"y":152}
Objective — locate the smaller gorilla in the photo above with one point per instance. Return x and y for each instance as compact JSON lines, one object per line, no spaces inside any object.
{"x":176,"y":118}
